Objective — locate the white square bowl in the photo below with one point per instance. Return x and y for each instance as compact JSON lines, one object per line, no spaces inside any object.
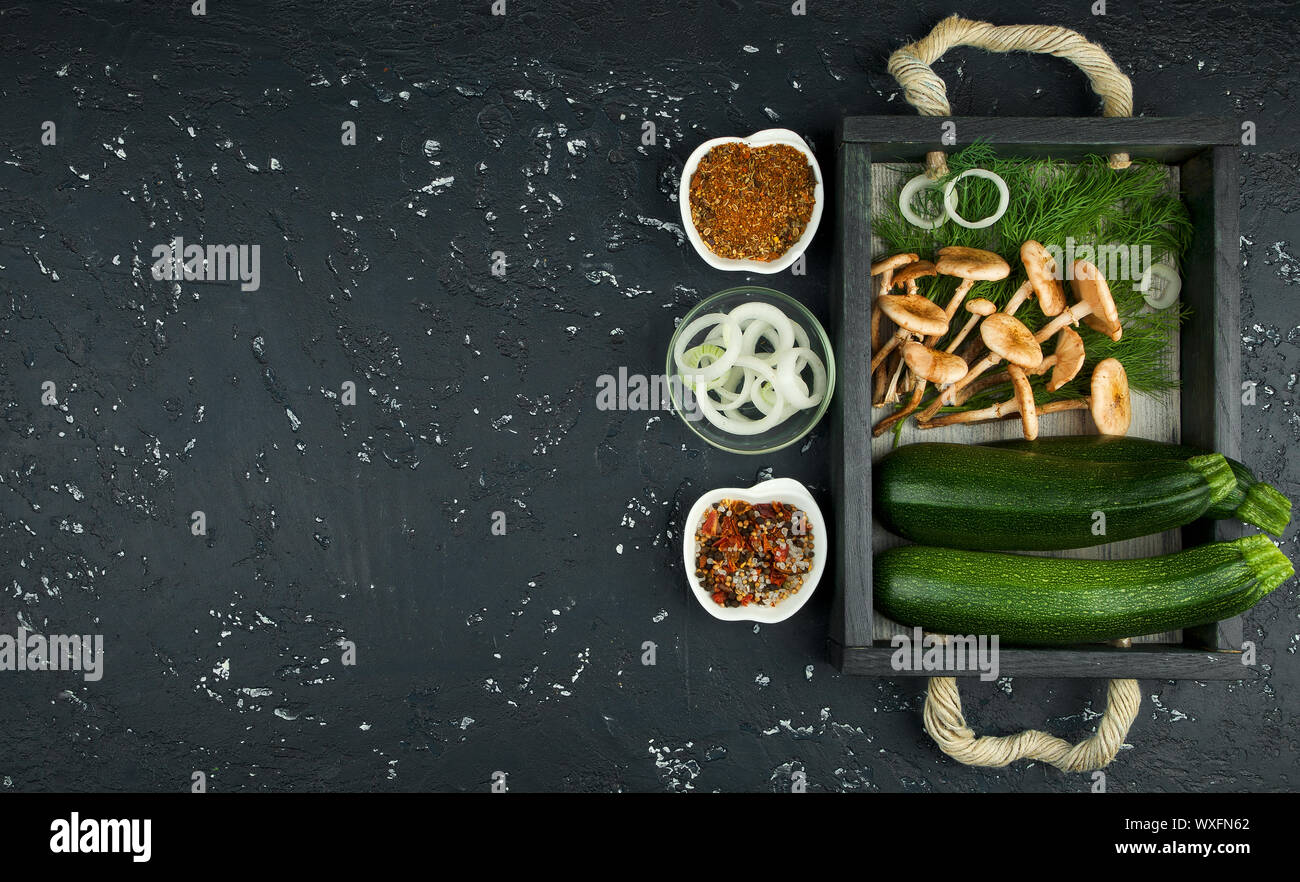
{"x":784,"y":490}
{"x":765,"y":138}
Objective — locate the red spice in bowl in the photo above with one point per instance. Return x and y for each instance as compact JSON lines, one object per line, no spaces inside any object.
{"x":752,"y":203}
{"x":752,"y":553}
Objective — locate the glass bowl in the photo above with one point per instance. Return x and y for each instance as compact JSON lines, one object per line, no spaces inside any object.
{"x":784,"y":433}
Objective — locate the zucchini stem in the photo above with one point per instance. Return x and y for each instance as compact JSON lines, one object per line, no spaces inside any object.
{"x":1217,"y":473}
{"x":1266,"y":508}
{"x":1269,"y":565}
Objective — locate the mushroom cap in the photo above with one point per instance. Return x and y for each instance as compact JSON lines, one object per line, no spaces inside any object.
{"x":914,"y":313}
{"x":972,"y":263}
{"x":917,"y":269}
{"x":1044,"y":276}
{"x":892,"y":263}
{"x":1007,"y":337}
{"x":1024,"y":401}
{"x":1069,"y":358}
{"x":981,"y":306}
{"x":932,"y":365}
{"x":1110,"y":404}
{"x":1090,"y":287}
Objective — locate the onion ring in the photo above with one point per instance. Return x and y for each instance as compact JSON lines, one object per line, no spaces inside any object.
{"x":920,"y":182}
{"x":950,"y":199}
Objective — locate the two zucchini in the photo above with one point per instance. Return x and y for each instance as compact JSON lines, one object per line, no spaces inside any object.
{"x":963,"y":502}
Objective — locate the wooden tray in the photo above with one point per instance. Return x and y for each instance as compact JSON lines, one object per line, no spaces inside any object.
{"x":1202,"y":155}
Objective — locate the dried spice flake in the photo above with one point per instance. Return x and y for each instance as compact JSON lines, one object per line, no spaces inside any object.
{"x":752,"y":203}
{"x":759,"y":554}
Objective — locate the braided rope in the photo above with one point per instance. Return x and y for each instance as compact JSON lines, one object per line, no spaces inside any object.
{"x":947,"y":726}
{"x":925,"y":90}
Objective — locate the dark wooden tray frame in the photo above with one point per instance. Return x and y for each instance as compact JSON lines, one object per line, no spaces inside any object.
{"x":1205,"y":150}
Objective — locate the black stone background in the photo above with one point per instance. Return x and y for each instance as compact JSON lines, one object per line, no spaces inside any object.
{"x":371,"y":523}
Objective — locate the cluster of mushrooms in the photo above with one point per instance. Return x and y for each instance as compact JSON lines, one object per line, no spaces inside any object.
{"x":909,"y":358}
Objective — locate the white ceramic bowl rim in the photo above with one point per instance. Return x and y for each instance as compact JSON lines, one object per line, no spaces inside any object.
{"x":785,"y":490}
{"x":764,"y":138}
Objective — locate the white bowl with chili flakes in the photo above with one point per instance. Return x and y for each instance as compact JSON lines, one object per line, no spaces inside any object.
{"x":705,"y":523}
{"x":788,"y":253}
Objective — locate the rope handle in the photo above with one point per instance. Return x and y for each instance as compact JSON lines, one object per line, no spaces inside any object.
{"x":925,"y":90}
{"x":947,"y":726}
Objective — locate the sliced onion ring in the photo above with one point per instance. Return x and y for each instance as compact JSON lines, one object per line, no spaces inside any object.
{"x":730,"y":335}
{"x":738,"y":425}
{"x":1166,"y":296}
{"x":789,"y":384}
{"x":950,"y":199}
{"x":920,"y":182}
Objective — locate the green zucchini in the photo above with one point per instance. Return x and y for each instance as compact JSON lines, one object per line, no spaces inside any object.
{"x":999,"y":499}
{"x":1043,"y":600}
{"x":1251,"y":501}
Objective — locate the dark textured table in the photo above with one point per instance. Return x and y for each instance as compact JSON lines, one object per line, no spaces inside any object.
{"x":332,"y":525}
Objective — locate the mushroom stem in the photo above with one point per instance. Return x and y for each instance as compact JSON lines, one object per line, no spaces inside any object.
{"x":878,"y":389}
{"x":925,"y":365}
{"x":961,"y":335}
{"x":1018,"y":298}
{"x":1021,"y":403}
{"x":875,"y":326}
{"x":888,"y":348}
{"x":1070,"y":317}
{"x":978,"y":308}
{"x":913,"y":403}
{"x":1065,"y":404}
{"x":950,"y":395}
{"x":1001,"y":377}
{"x":891,"y":391}
{"x":1002,"y":410}
{"x":983,"y":384}
{"x":954,"y":303}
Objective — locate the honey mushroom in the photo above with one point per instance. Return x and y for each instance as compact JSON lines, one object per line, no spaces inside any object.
{"x":971,"y":265}
{"x":935,"y":368}
{"x":885,"y":269}
{"x":913,"y":314}
{"x":1021,"y":402}
{"x":1065,"y":364}
{"x":1110,"y":403}
{"x":1006,"y":337}
{"x":1094,"y":304}
{"x":1042,"y":282}
{"x":927,"y":365}
{"x":907,"y":277}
